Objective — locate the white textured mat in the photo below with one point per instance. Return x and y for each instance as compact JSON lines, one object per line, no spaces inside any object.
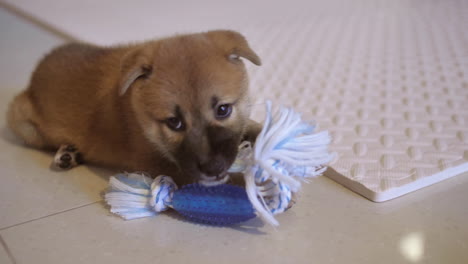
{"x":389,"y":79}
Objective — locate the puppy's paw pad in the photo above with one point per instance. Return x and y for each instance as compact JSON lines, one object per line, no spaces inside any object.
{"x":67,"y":157}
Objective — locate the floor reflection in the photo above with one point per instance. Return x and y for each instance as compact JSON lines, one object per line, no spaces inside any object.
{"x":412,"y":246}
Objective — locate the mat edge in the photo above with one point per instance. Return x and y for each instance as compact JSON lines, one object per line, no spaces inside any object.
{"x":395,"y":192}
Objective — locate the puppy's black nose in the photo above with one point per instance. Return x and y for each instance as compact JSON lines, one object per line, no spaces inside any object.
{"x":213,"y":167}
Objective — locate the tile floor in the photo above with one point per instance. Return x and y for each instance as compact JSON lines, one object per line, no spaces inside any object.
{"x":58,"y":217}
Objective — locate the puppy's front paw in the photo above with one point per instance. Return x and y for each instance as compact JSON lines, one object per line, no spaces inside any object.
{"x":67,"y":157}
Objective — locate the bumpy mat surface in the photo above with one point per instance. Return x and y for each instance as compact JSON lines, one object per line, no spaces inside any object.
{"x":391,"y":84}
{"x":389,"y":79}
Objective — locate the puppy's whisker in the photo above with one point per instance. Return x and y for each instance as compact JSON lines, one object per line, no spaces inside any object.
{"x":262,"y":103}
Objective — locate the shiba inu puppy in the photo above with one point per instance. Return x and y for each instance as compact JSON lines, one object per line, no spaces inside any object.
{"x":177,"y":106}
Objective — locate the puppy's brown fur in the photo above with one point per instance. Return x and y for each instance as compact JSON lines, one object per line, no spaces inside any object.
{"x":114,"y":103}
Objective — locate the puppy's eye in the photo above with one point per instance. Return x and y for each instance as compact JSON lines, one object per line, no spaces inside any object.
{"x":223,"y":111}
{"x":175,"y":124}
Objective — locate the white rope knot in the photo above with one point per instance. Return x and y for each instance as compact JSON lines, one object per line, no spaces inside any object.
{"x":162,"y":190}
{"x":285,"y":152}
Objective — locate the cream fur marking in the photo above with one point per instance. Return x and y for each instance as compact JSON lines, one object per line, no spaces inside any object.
{"x":19,"y":118}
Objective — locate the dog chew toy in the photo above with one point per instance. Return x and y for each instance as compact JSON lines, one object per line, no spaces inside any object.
{"x":286,"y":152}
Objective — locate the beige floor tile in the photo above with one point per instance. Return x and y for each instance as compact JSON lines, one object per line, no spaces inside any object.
{"x":22,"y":45}
{"x":109,"y":22}
{"x":4,"y":258}
{"x":30,"y":189}
{"x":329,"y":225}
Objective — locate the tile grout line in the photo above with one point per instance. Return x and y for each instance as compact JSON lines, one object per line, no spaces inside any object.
{"x":5,"y":246}
{"x":37,"y":22}
{"x":45,"y":216}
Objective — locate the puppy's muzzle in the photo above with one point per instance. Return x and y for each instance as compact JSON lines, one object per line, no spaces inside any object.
{"x":214,"y":172}
{"x":214,"y":167}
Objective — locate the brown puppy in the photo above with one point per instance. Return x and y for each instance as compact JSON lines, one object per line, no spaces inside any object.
{"x":177,"y":106}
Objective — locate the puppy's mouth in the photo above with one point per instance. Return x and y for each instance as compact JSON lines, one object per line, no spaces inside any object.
{"x":213,"y":180}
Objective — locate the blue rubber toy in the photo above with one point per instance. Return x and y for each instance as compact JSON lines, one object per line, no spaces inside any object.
{"x":134,"y":196}
{"x":286,"y":151}
{"x":223,"y":204}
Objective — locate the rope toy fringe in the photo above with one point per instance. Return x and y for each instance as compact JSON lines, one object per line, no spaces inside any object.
{"x":286,"y":153}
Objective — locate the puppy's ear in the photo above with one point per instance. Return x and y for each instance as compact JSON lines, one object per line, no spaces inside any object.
{"x":234,"y":45}
{"x":135,"y":64}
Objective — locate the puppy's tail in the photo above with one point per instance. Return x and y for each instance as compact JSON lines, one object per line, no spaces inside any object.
{"x":20,"y":118}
